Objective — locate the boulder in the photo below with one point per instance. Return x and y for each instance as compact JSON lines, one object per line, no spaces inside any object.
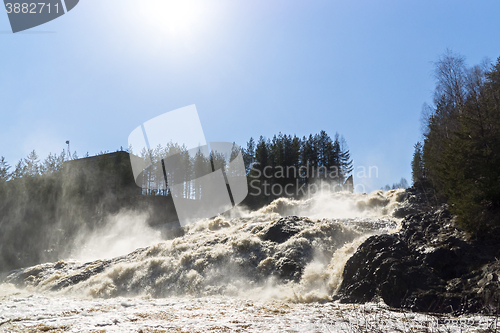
{"x":430,"y":265}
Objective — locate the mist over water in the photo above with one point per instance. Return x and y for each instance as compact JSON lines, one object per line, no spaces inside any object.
{"x":121,"y":234}
{"x":376,"y":205}
{"x":270,"y":270}
{"x":291,"y":250}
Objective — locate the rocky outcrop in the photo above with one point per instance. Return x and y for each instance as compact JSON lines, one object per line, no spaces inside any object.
{"x":430,"y":265}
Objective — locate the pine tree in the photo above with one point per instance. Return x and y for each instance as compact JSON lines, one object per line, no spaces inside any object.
{"x":345,"y":159}
{"x":461,"y":151}
{"x":261,"y":154}
{"x":201,"y":167}
{"x":335,"y":163}
{"x":32,"y":167}
{"x":249,"y":155}
{"x":417,"y":166}
{"x":4,"y":169}
{"x":19,"y":170}
{"x":50,"y":165}
{"x":309,"y":157}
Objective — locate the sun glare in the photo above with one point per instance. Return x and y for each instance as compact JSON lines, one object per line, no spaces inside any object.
{"x":177,"y":18}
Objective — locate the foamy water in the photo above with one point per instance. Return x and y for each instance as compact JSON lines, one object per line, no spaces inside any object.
{"x":22,"y":312}
{"x":246,"y":271}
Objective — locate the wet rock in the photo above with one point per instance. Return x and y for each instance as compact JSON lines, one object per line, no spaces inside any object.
{"x":282,"y":230}
{"x":89,"y":271}
{"x":403,"y":211}
{"x":288,"y":268}
{"x":430,"y":266}
{"x":383,"y":266}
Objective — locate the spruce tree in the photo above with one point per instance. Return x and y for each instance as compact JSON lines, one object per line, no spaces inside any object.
{"x":346,"y":164}
{"x":4,"y":169}
{"x":417,"y":166}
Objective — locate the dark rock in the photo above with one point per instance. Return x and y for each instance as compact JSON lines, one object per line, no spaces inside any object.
{"x":92,"y":270}
{"x":282,"y":230}
{"x":444,"y":263}
{"x":383,"y":266}
{"x":289,"y":269}
{"x":429,"y":266}
{"x":404,"y":211}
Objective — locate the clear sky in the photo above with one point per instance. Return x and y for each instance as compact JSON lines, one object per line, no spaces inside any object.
{"x":252,"y":67}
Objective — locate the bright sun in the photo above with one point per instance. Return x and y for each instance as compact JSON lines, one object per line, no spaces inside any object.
{"x":177,"y":18}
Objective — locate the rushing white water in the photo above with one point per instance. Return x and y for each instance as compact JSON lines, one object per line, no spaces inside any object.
{"x":248,"y":271}
{"x":24,"y":312}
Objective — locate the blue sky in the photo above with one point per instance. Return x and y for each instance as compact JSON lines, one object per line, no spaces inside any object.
{"x":362,"y":68}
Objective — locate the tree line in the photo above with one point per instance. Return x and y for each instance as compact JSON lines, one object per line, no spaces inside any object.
{"x":171,"y":164}
{"x":46,"y":205}
{"x":286,"y":160}
{"x":459,"y":158}
{"x":280,"y":161}
{"x":402,"y":184}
